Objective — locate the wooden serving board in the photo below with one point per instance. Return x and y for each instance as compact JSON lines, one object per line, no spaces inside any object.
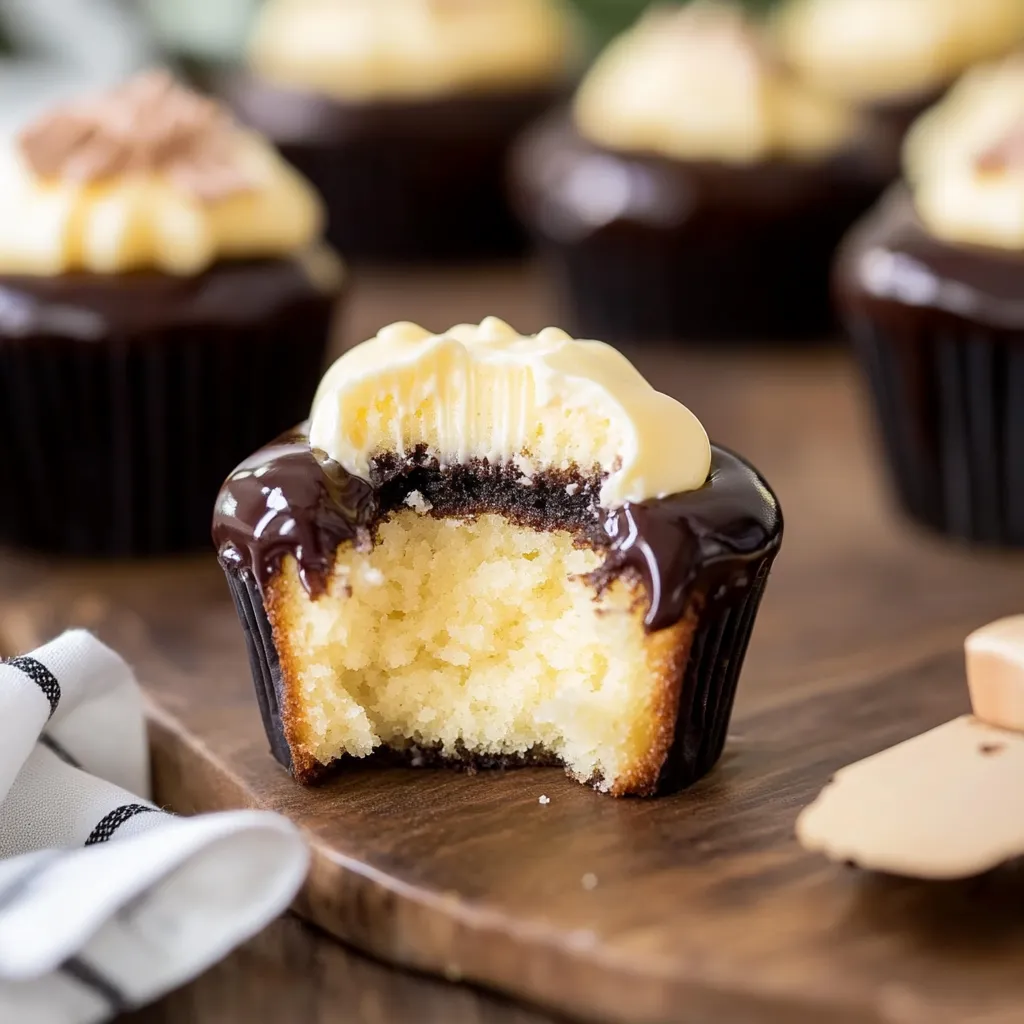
{"x":697,"y":907}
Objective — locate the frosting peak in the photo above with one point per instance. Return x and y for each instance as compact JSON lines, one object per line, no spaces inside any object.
{"x":149,"y":123}
{"x":964,"y":159}
{"x":365,"y":50}
{"x":887,"y":50}
{"x":149,"y":176}
{"x":543,"y":402}
{"x":700,"y":83}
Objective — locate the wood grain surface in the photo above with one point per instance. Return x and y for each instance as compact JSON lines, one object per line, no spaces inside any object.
{"x":704,"y":907}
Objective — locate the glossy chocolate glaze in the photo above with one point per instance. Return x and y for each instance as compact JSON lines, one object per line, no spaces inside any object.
{"x":289,"y":500}
{"x":85,"y":306}
{"x":894,"y":270}
{"x":692,"y":248}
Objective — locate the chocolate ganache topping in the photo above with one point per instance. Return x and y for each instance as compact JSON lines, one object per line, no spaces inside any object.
{"x":288,"y":499}
{"x":893,"y":268}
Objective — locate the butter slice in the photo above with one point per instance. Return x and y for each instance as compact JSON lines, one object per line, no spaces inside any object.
{"x":946,"y":804}
{"x":995,"y":672}
{"x":543,"y":402}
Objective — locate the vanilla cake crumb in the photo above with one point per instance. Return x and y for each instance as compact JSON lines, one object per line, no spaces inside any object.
{"x":493,"y":646}
{"x":571,"y":489}
{"x":544,"y":800}
{"x":589,"y":881}
{"x":416,"y":501}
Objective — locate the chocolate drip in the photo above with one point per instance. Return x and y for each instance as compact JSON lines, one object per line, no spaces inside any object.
{"x":290,"y":500}
{"x":895,"y":270}
{"x":707,"y":537}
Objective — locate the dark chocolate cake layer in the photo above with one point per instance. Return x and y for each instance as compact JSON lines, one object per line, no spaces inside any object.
{"x":289,"y":500}
{"x":403,"y":179}
{"x":124,"y":399}
{"x":653,"y":248}
{"x":939,"y":329}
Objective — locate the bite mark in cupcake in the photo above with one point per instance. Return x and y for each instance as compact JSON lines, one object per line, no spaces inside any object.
{"x":496,"y":549}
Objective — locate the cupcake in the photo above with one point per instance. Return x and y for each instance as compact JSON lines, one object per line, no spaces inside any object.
{"x":164,"y":306}
{"x":894,"y":58}
{"x":695,"y":189}
{"x":485,"y":549}
{"x":402,"y":113}
{"x":931,"y":287}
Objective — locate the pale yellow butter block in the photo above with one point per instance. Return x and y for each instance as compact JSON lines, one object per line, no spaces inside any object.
{"x":946,"y":804}
{"x":995,"y":672}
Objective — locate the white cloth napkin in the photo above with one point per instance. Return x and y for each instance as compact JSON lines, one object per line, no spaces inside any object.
{"x":107,"y":902}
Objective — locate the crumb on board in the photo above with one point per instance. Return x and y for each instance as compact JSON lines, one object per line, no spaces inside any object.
{"x":544,"y":800}
{"x":589,"y":881}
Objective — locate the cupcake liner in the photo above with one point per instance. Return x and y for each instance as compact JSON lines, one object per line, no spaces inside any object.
{"x":118,"y":446}
{"x":706,"y":697}
{"x":403,"y":180}
{"x":397,"y":200}
{"x":952,"y":425}
{"x":263,"y":660}
{"x":632,"y":283}
{"x":710,"y":682}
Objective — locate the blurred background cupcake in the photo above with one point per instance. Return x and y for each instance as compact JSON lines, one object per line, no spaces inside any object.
{"x":893,"y":58}
{"x":931,"y":286}
{"x":696,"y":189}
{"x":164,"y":306}
{"x":402,"y":112}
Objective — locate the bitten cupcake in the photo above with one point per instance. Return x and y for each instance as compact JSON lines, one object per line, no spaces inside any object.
{"x":402,"y":113}
{"x":931,"y":286}
{"x":488,"y":549}
{"x":894,"y":58}
{"x":696,"y":190}
{"x":164,"y":306}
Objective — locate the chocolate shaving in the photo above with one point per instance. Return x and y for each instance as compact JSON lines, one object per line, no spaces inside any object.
{"x":148,"y":124}
{"x":1006,"y":154}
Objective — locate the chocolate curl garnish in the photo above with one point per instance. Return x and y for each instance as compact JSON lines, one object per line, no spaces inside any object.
{"x":149,"y":124}
{"x":1007,"y":154}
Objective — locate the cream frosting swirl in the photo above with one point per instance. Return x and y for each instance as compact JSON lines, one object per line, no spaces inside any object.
{"x":486,"y":392}
{"x":384,"y":49}
{"x":148,"y":175}
{"x":964,"y":159}
{"x":887,"y":50}
{"x":701,"y":84}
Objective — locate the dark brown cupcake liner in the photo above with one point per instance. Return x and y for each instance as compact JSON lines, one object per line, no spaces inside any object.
{"x":647,"y":248}
{"x":710,"y":681}
{"x":630,"y":283}
{"x":706,"y":697}
{"x":952,"y":425}
{"x":117,"y":446}
{"x":402,"y":180}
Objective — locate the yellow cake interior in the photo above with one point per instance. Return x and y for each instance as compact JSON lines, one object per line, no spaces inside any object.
{"x":475,"y":635}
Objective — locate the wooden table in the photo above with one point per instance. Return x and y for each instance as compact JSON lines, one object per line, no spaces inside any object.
{"x":860,"y":606}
